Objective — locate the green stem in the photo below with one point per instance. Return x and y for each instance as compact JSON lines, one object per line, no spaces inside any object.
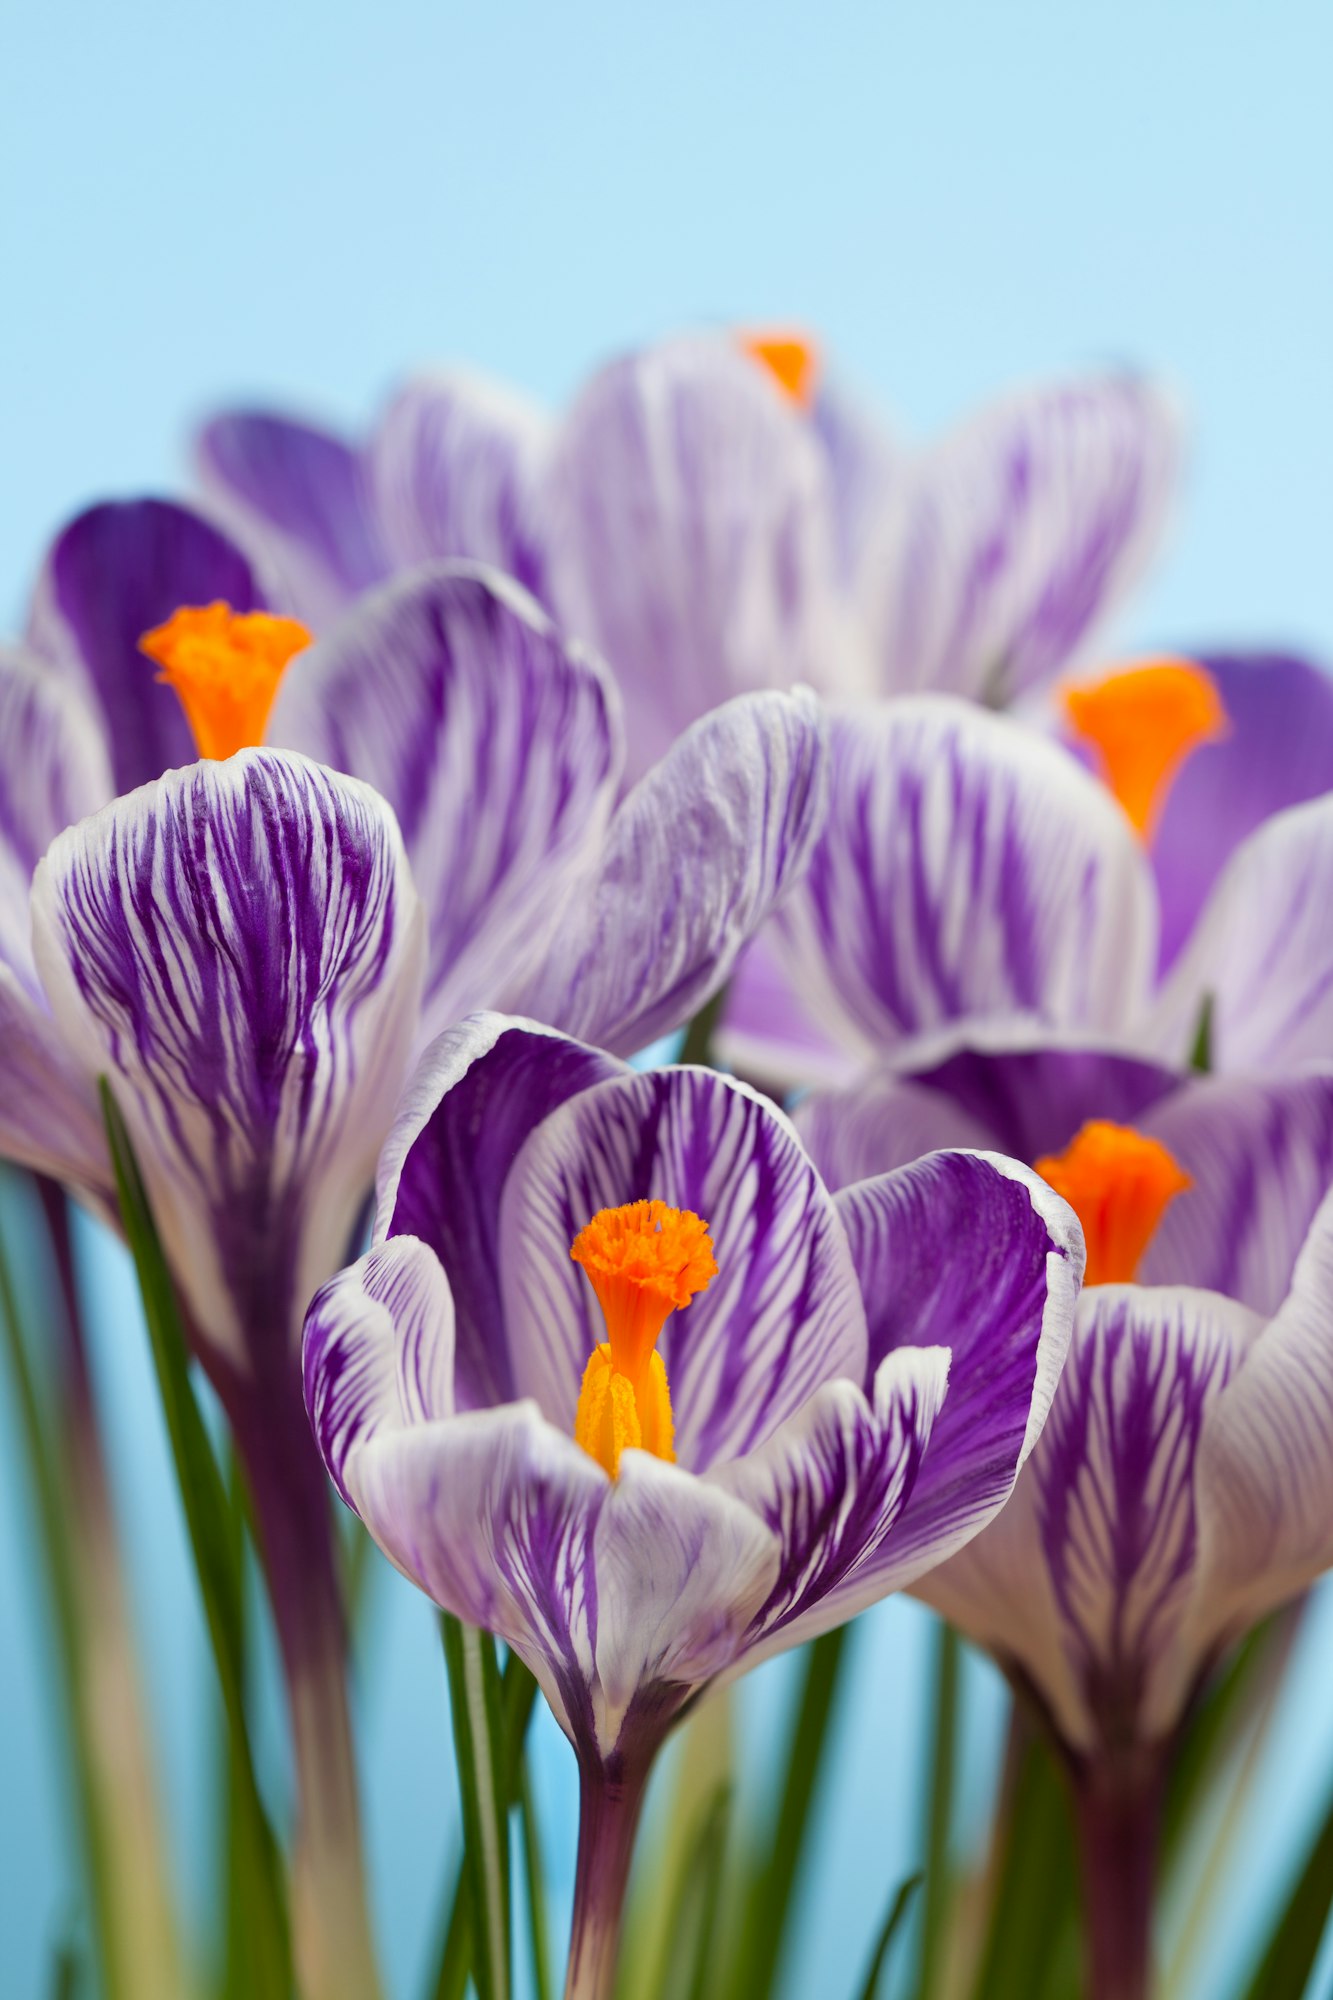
{"x":939,"y":1811}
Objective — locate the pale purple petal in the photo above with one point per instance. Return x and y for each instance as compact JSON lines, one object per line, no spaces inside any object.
{"x":972,"y":1252}
{"x":1262,"y":951}
{"x":494,"y":741}
{"x":830,"y":1483}
{"x":239,"y":946}
{"x":50,"y":1116}
{"x":866,"y":466}
{"x":1013,"y":538}
{"x":1085,"y":1580}
{"x":1278,"y":753}
{"x":453,"y":462}
{"x":299,"y":499}
{"x":697,"y":856}
{"x":878,"y":1124}
{"x":766,"y":1034}
{"x":782,"y":1315}
{"x":477,"y":1093}
{"x":968,"y":869}
{"x":1266,"y":1464}
{"x":688,"y":530}
{"x":113,"y":574}
{"x":1260,"y":1153}
{"x":378,"y":1350}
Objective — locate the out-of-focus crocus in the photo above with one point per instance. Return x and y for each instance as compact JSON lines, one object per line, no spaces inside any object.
{"x":715,"y":519}
{"x":1181,"y":1489}
{"x":975,"y":882}
{"x":623,"y":1383}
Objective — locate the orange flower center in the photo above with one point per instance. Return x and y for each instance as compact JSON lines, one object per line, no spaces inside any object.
{"x":1119,"y":1183}
{"x":1143,"y":722}
{"x":644,"y":1261}
{"x":225,"y":666}
{"x":790,"y":358}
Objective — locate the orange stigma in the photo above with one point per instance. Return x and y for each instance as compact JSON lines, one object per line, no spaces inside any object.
{"x":791,"y":359}
{"x":225,"y":666}
{"x":1119,"y":1184}
{"x":1143,"y":723}
{"x":644,"y":1261}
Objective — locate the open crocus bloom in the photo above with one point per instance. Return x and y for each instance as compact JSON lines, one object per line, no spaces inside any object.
{"x":975,"y":880}
{"x":714,"y":519}
{"x":815,"y":1397}
{"x":493,"y":741}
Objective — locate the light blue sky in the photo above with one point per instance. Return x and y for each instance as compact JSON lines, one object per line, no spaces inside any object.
{"x":299,"y":202}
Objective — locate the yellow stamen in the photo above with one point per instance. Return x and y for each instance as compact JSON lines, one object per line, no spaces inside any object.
{"x":1143,"y":722}
{"x":791,"y":359}
{"x":644,"y":1262}
{"x":225,"y":667}
{"x":1119,"y":1183}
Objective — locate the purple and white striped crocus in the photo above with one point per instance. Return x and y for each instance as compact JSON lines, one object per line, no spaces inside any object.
{"x":975,"y":883}
{"x":622,"y":1382}
{"x":713,"y":525}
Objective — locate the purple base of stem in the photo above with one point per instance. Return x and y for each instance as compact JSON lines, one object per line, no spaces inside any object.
{"x":610,"y":1801}
{"x":1118,"y":1813}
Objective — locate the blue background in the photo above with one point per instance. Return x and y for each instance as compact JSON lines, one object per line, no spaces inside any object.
{"x":299,"y":204}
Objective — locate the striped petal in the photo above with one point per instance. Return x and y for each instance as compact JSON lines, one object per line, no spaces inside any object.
{"x":972,"y":1252}
{"x":968,"y":869}
{"x":110,"y":576}
{"x":298,"y":498}
{"x":782,"y":1316}
{"x":478,"y":1092}
{"x":1262,"y":952}
{"x":494,"y":742}
{"x":239,"y":946}
{"x":878,"y":1124}
{"x":453,"y":463}
{"x":697,"y":856}
{"x":1260,"y":1155}
{"x":1278,"y":753}
{"x":1015,"y":536}
{"x":688,"y":527}
{"x":50,"y":1116}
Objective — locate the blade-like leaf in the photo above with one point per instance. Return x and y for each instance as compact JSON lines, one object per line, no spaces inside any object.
{"x":897,"y":1910}
{"x":1033,"y":1932}
{"x":481,"y":1750}
{"x":1283,"y":1972}
{"x":938,"y":1887}
{"x":209,"y":1521}
{"x":534,"y":1885}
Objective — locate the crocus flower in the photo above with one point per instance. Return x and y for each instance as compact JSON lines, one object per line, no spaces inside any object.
{"x":713,"y":519}
{"x":622,"y":1382}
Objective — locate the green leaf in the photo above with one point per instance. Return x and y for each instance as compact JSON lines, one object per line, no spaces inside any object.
{"x":1034,"y":1930}
{"x":691,"y":1936}
{"x":939,"y":1810}
{"x":1284,"y":1970}
{"x":770,"y":1900}
{"x":897,"y":1910}
{"x":1226,"y":1709}
{"x":485,"y":1786}
{"x":534,"y":1882}
{"x":210,"y":1524}
{"x":1201,"y":1055}
{"x":698,"y":1044}
{"x":67,"y":1980}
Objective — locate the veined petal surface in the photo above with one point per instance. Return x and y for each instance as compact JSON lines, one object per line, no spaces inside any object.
{"x":497,"y":746}
{"x":1011,"y":538}
{"x":116,"y":571}
{"x":877,"y":1124}
{"x":967,"y":869}
{"x":300,"y":500}
{"x":783,"y":1313}
{"x":696,"y":857}
{"x":50,"y":1117}
{"x":238,"y":945}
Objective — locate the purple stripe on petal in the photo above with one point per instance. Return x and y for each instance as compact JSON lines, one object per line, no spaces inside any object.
{"x":1279,"y":753}
{"x":971,"y":1252}
{"x":478,"y":1092}
{"x":299,"y":500}
{"x":116,"y":571}
{"x":782,"y":1315}
{"x":968,"y":869}
{"x":239,"y":946}
{"x":495,"y":743}
{"x":879,"y":1124}
{"x":378,"y":1351}
{"x":696,"y":858}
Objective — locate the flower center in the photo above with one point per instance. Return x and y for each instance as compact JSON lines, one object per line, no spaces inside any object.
{"x":1143,"y":723}
{"x":643,"y":1261}
{"x":791,"y":359}
{"x":1119,"y":1183}
{"x":225,"y":666}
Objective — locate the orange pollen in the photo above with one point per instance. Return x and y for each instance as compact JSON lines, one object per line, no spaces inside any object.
{"x":791,"y":359}
{"x":225,"y":666}
{"x":1119,"y":1183}
{"x":1143,"y":722}
{"x":644,"y":1262}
